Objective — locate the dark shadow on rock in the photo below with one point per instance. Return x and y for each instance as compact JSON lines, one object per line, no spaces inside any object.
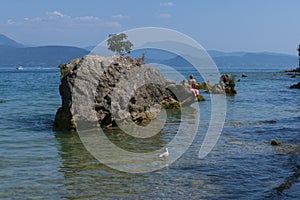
{"x":297,"y":86}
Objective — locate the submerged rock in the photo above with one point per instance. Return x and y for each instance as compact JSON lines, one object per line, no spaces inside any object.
{"x":112,"y":90}
{"x":200,"y":98}
{"x":297,"y":86}
{"x":244,"y":75}
{"x":293,"y":70}
{"x":275,"y":143}
{"x":293,"y":75}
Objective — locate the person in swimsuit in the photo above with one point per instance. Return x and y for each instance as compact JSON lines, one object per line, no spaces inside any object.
{"x":193,"y":83}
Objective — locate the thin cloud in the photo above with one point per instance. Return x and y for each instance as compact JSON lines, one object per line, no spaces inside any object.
{"x":120,"y":17}
{"x":49,"y":16}
{"x":113,"y":24}
{"x":56,"y":14}
{"x":87,"y":18}
{"x":166,"y":4}
{"x":10,"y":22}
{"x":64,"y":20}
{"x":165,"y":16}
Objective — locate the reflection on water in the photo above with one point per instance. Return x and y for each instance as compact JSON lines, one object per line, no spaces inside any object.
{"x":85,"y":177}
{"x":136,"y":155}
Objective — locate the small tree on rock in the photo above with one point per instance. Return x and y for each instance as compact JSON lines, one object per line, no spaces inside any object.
{"x":119,"y":43}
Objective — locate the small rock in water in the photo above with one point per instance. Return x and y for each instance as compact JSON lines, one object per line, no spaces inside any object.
{"x":296,"y":86}
{"x":226,"y":85}
{"x":275,"y":142}
{"x":200,"y":98}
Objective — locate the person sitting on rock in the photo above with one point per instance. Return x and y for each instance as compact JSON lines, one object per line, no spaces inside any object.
{"x":193,"y":83}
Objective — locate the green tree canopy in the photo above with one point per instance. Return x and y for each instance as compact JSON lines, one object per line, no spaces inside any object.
{"x":119,"y":43}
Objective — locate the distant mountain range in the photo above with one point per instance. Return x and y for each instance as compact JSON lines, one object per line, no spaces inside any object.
{"x":238,"y":60}
{"x":13,"y":54}
{"x":255,"y":60}
{"x":6,"y":41}
{"x":45,"y":56}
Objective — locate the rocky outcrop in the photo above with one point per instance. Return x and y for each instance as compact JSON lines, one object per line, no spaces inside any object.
{"x":203,"y":86}
{"x":275,"y":143}
{"x":293,"y":70}
{"x":112,"y":90}
{"x":226,"y":85}
{"x":293,"y":73}
{"x":297,"y":86}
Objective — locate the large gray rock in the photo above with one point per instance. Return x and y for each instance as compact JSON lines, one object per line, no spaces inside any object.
{"x":111,"y":90}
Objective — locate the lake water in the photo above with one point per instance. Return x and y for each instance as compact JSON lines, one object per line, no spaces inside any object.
{"x":38,"y":163}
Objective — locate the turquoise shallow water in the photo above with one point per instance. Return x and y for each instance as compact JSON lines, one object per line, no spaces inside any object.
{"x":37,"y":163}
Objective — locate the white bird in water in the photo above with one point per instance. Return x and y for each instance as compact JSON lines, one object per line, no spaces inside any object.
{"x":165,"y":154}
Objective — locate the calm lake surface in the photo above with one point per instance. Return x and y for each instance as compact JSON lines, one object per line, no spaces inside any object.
{"x":38,"y":163}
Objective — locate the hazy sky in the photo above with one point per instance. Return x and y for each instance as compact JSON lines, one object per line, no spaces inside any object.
{"x":227,"y":25}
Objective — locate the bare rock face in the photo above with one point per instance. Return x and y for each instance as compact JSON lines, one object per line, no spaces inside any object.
{"x":226,"y":85}
{"x":112,"y":90}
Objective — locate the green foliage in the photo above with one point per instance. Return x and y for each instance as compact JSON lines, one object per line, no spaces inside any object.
{"x":119,"y":43}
